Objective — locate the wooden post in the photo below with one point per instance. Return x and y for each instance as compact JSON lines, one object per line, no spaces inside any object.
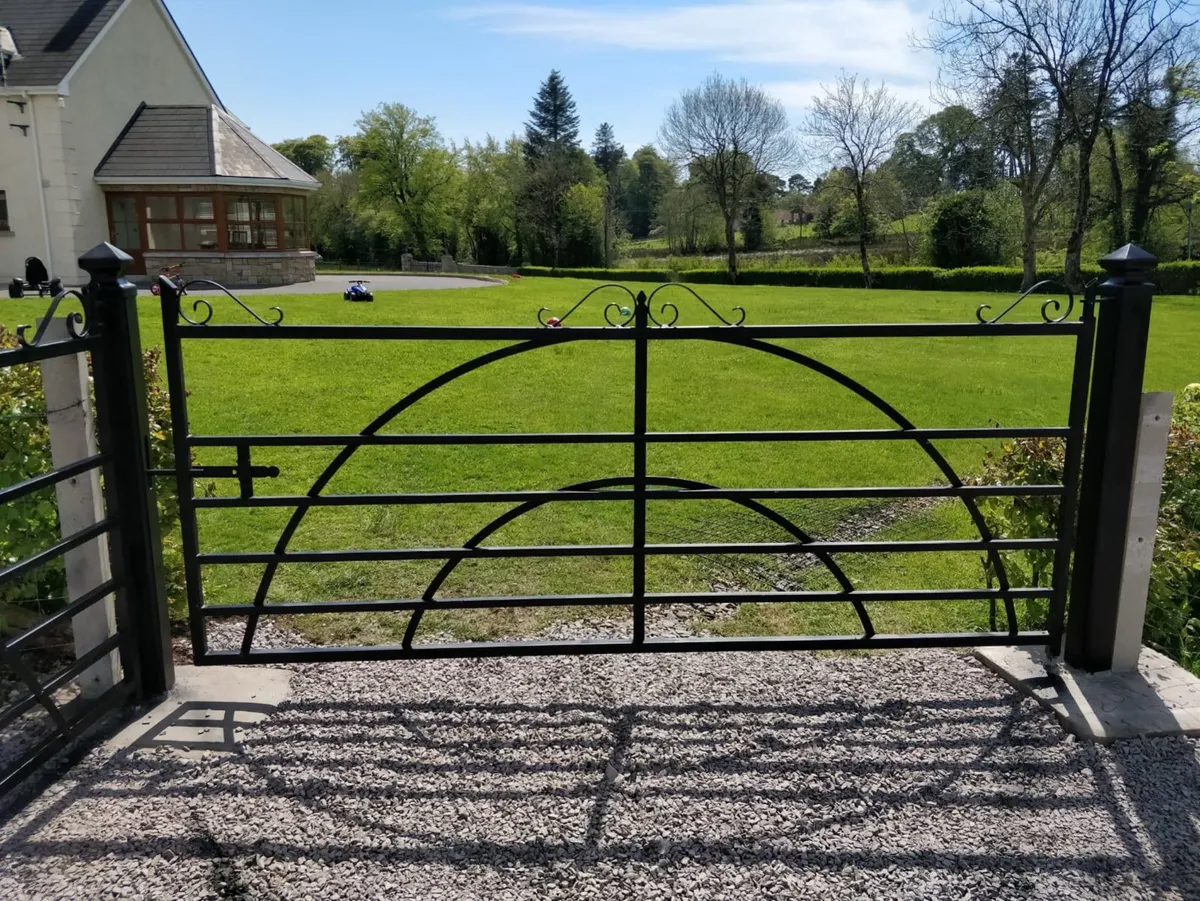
{"x":80,"y":504}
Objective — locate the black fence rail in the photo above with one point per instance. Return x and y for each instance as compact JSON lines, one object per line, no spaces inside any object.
{"x":638,"y":320}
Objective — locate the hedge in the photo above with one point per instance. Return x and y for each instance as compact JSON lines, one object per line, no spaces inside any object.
{"x":1171,"y":278}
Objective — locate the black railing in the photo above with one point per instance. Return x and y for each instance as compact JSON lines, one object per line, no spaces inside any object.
{"x":107,"y":330}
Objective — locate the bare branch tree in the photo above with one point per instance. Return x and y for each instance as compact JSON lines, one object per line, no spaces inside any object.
{"x":727,"y":132}
{"x":855,"y":128}
{"x":1086,"y":50}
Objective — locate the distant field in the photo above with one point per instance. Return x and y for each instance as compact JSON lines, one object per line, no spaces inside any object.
{"x":334,"y":387}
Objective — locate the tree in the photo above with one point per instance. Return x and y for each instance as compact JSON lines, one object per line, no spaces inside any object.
{"x":962,"y":232}
{"x":1153,"y":120}
{"x":553,"y":122}
{"x":798,"y":184}
{"x":1030,"y":136}
{"x":606,"y":152}
{"x":545,"y":207}
{"x":1087,"y":51}
{"x":959,"y":142}
{"x":644,"y":181}
{"x":489,"y":200}
{"x":608,"y":156}
{"x":404,"y":164}
{"x":920,"y":173}
{"x":727,"y":132}
{"x":855,"y":127}
{"x":312,"y":154}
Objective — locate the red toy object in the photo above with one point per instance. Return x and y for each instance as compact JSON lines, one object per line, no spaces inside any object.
{"x":554,"y":322}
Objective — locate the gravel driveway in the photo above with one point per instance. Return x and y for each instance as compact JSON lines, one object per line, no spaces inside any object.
{"x":775,"y":775}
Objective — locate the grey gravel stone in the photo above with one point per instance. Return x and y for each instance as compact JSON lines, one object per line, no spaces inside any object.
{"x":904,"y":775}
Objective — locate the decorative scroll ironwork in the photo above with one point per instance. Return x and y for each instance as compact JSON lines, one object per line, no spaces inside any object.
{"x":76,"y":322}
{"x":208,"y":310}
{"x":1046,"y":305}
{"x":626,"y":315}
{"x":675,"y":309}
{"x":557,"y":321}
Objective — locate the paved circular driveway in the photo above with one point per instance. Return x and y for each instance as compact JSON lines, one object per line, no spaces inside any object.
{"x":336,"y":284}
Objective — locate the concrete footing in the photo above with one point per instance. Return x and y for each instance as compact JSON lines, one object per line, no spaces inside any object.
{"x":207,"y":709}
{"x":1158,"y":698}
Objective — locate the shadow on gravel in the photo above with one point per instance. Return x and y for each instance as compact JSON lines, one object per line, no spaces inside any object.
{"x":953,"y":788}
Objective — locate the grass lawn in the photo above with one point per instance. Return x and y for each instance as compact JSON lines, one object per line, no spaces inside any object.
{"x":239,"y":387}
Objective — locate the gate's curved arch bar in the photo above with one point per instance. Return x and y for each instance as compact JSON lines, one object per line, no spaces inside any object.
{"x":343,"y":457}
{"x":520,"y":510}
{"x":721,"y":335}
{"x":726,"y":337}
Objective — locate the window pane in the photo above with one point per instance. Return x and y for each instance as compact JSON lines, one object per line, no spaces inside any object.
{"x":163,"y":235}
{"x":237,"y":210}
{"x":295,"y":238}
{"x":198,"y":208}
{"x":159,"y":207}
{"x":200,"y":237}
{"x":252,"y":237}
{"x":293,"y":209}
{"x":3,"y":212}
{"x":125,"y":224}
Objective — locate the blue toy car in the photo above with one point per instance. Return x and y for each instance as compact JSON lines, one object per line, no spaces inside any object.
{"x":358,"y":291}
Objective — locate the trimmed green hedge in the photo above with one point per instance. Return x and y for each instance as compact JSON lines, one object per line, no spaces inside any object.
{"x":1171,"y":278}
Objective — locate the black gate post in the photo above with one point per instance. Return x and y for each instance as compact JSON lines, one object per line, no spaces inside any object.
{"x":135,"y":544}
{"x":1109,"y":460}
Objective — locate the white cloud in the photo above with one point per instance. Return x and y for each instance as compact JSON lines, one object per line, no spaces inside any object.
{"x":869,"y":36}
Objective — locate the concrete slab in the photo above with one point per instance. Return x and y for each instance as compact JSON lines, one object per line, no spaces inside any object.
{"x":207,"y":709}
{"x":1159,"y":698}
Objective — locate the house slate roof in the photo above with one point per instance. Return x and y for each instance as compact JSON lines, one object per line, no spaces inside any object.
{"x":51,"y":36}
{"x":194,"y":142}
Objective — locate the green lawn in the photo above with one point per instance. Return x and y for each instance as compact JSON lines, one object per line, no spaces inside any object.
{"x":338,"y":387}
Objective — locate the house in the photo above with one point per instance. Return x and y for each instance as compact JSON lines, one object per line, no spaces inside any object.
{"x":793,"y":216}
{"x":112,"y":131}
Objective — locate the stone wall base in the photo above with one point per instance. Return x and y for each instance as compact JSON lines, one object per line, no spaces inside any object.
{"x":262,"y":269}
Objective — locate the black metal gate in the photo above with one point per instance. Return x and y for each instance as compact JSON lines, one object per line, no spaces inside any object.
{"x":41,"y":708}
{"x":640,"y":321}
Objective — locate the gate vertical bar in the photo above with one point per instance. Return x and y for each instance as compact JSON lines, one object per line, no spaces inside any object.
{"x":1072,"y":460}
{"x":640,"y":352}
{"x":121,"y":414}
{"x":181,"y":432}
{"x":1114,"y":416}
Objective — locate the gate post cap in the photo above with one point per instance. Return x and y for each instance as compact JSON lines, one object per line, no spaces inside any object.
{"x":1128,"y":260}
{"x":104,"y":259}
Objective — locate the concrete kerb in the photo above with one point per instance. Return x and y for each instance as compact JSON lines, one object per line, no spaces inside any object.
{"x":1159,"y":698}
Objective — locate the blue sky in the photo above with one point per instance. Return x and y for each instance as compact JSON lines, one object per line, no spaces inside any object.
{"x":291,"y":68}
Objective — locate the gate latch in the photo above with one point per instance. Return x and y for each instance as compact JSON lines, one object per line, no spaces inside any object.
{"x":244,"y":472}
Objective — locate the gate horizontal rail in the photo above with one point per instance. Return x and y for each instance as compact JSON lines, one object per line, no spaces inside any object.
{"x":619,"y":494}
{"x":624,"y":437}
{"x":299,"y":608}
{"x":626,"y":550}
{"x":600,"y":333}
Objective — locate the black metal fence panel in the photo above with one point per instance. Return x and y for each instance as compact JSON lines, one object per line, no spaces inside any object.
{"x":634,"y":320}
